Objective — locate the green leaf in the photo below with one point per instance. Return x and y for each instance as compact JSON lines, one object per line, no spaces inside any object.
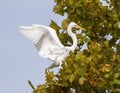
{"x":107,"y":75}
{"x":31,"y":85}
{"x":49,"y":76}
{"x":116,"y":81}
{"x":117,"y":75}
{"x":59,"y":9}
{"x":65,"y":23}
{"x":54,"y":25}
{"x":72,"y":77}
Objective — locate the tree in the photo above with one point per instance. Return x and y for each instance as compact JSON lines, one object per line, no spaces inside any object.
{"x":97,"y":68}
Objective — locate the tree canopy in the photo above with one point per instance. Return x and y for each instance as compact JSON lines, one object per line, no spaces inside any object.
{"x":95,"y":69}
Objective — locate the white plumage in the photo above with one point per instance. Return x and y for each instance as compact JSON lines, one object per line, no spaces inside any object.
{"x":47,"y":43}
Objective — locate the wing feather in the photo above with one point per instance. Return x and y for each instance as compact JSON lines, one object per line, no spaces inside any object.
{"x":44,"y":38}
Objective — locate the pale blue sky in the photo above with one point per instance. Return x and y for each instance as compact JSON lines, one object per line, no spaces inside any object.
{"x":19,"y":61}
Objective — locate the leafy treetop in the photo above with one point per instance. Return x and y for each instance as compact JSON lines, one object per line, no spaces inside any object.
{"x":97,"y":68}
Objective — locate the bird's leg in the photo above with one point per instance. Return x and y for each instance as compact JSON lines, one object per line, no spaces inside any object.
{"x":51,"y":51}
{"x":55,"y":64}
{"x":60,"y":64}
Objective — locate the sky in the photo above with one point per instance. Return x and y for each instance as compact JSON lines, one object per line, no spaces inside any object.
{"x":19,"y":60}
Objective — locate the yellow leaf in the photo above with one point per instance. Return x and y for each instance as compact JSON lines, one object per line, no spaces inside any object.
{"x":82,"y":80}
{"x":106,"y":68}
{"x":118,"y":25}
{"x":71,"y":79}
{"x":93,"y":83}
{"x":114,"y":58}
{"x":49,"y":76}
{"x":88,"y":1}
{"x":107,"y":65}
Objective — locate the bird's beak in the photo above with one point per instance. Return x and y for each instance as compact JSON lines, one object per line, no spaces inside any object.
{"x":79,"y":27}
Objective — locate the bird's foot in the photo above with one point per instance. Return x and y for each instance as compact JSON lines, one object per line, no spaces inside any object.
{"x":46,"y":70}
{"x":60,"y":65}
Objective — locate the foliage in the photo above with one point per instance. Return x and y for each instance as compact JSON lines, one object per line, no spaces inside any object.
{"x":97,"y":68}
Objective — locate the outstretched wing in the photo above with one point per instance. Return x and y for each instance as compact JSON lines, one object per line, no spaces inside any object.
{"x":44,"y":38}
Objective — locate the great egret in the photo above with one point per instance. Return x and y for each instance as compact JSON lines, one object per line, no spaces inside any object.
{"x":47,"y":43}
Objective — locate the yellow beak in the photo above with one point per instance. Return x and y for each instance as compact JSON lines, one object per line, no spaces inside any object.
{"x":79,"y":27}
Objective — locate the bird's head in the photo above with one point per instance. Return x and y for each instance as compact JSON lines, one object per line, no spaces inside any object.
{"x":74,"y":25}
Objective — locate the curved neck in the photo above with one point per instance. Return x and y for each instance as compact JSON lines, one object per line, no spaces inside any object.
{"x":73,"y":36}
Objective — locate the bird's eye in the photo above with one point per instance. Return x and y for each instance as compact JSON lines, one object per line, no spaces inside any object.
{"x":76,"y":25}
{"x":75,"y":28}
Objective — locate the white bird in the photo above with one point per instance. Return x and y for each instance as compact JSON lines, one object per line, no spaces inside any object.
{"x":47,"y":43}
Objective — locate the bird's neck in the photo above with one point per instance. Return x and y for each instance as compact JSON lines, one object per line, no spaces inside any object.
{"x":73,"y":36}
